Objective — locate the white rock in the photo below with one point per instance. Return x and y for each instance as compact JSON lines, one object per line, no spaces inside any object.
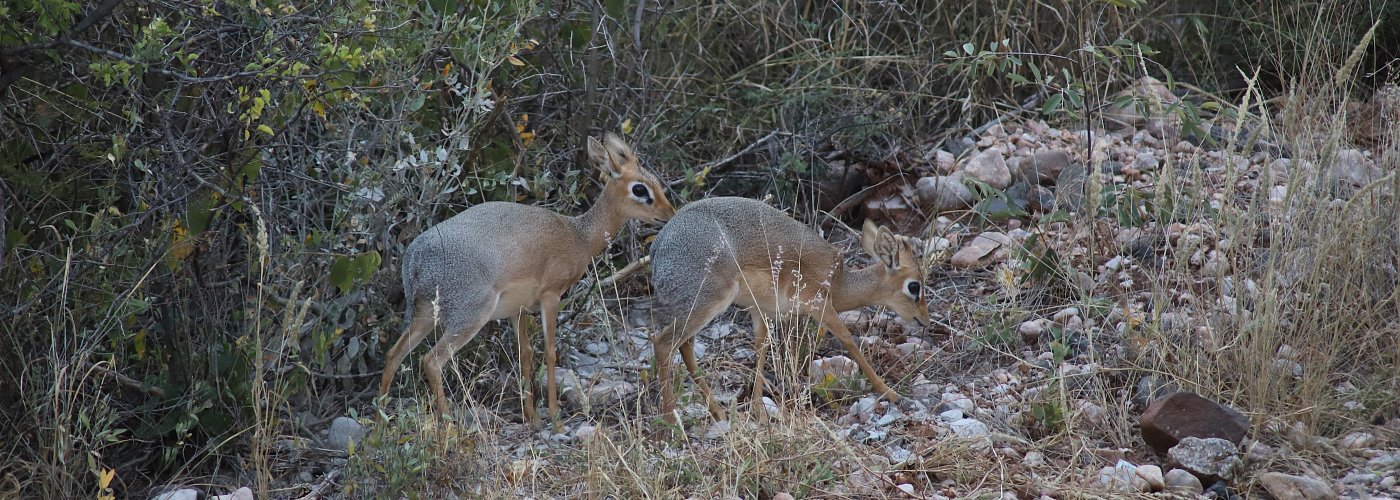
{"x":892,"y":414}
{"x":1033,"y":459}
{"x":1093,"y":414}
{"x":837,"y":366}
{"x":1353,"y":166}
{"x":1153,"y":475}
{"x":585,"y":431}
{"x":1064,"y":315}
{"x":900,"y":455}
{"x":942,"y":160}
{"x":1041,"y":167}
{"x":1258,"y":452}
{"x":959,"y":401}
{"x":1123,"y":478}
{"x":609,"y":391}
{"x":1183,"y":481}
{"x":908,"y":489}
{"x":1361,"y":478}
{"x":596,"y":348}
{"x":982,"y":250}
{"x":1357,"y":441}
{"x":970,"y":428}
{"x":864,"y":481}
{"x":343,"y":431}
{"x":180,"y":494}
{"x":783,"y":495}
{"x":864,"y":409}
{"x":1032,"y":330}
{"x":942,"y":193}
{"x":771,"y":407}
{"x":951,"y":415}
{"x":990,"y":167}
{"x":1288,"y":487}
{"x":717,"y":430}
{"x":1145,"y":161}
{"x":244,"y":493}
{"x":1208,"y":456}
{"x":922,"y":387}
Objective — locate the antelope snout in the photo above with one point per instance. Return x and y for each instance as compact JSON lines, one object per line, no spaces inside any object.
{"x":664,"y":213}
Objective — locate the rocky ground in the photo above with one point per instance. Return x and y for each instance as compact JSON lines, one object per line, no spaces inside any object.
{"x":1022,"y":375}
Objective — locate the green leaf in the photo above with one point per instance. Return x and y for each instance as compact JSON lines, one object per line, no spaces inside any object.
{"x":1075,"y":102}
{"x":417,"y":103}
{"x":251,"y":169}
{"x":365,"y":265}
{"x":341,"y":275}
{"x":969,"y":48}
{"x":201,"y":209}
{"x":1056,"y":216}
{"x":1052,"y":104}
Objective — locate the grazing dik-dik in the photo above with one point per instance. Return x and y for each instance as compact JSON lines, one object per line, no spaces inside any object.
{"x":504,"y":260}
{"x":721,"y":251}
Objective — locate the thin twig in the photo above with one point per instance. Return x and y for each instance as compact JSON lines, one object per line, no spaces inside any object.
{"x":626,"y":271}
{"x":319,"y":491}
{"x":125,"y":380}
{"x":858,"y":198}
{"x":726,"y":161}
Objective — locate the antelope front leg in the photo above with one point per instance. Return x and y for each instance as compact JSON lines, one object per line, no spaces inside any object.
{"x":549,"y":313}
{"x":688,"y":355}
{"x":833,"y":324}
{"x":526,"y":351}
{"x":760,"y":348}
{"x":663,"y":346}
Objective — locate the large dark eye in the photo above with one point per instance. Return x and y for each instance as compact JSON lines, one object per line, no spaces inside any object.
{"x":640,"y":191}
{"x":913,"y":287}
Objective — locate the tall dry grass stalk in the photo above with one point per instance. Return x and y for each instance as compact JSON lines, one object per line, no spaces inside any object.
{"x":1316,"y":273}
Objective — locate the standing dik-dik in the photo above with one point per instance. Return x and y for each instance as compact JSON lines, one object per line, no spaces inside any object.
{"x":504,"y":260}
{"x":721,"y":251}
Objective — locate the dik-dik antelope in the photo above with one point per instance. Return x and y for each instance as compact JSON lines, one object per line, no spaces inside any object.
{"x":722,"y":251}
{"x":504,"y":260}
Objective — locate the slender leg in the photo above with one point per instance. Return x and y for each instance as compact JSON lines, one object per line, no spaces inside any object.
{"x":549,"y":313}
{"x":419,"y":328}
{"x":527,"y":368}
{"x":688,"y":355}
{"x":833,"y":324}
{"x":760,"y":347}
{"x":440,"y":354}
{"x":662,"y":346}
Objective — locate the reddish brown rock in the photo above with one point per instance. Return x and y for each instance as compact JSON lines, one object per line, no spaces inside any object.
{"x":1177,"y":416}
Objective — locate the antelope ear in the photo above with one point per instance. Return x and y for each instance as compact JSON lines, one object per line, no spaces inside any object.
{"x":887,"y":249}
{"x":869,"y":234}
{"x":602,"y":158}
{"x":623,"y":158}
